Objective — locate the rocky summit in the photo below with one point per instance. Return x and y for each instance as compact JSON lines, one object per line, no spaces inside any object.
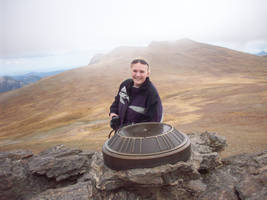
{"x":71,"y":174}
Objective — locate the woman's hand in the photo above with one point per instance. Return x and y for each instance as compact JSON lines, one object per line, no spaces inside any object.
{"x":114,"y":121}
{"x":111,"y":115}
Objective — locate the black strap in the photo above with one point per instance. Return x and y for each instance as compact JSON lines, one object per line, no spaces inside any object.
{"x":110,"y":133}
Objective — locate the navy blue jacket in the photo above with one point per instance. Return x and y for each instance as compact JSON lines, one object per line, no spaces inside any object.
{"x":135,"y":105}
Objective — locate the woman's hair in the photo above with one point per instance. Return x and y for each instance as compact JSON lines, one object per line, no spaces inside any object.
{"x":141,"y":61}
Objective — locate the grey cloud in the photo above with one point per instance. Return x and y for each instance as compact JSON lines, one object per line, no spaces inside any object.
{"x":35,"y":27}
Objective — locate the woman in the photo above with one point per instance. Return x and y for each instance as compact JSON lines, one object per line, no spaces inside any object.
{"x":137,"y":99}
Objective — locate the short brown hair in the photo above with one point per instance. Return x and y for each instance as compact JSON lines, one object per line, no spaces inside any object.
{"x":141,"y":61}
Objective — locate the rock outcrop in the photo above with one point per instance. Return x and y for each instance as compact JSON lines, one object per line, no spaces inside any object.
{"x":63,"y":173}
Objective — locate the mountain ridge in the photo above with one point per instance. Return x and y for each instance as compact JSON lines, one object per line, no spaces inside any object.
{"x":8,"y":83}
{"x":203,"y":87}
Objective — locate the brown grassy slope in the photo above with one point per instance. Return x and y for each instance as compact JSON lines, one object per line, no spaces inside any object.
{"x":202,"y":87}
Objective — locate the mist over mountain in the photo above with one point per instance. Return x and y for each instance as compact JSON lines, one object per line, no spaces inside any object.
{"x":202,"y":87}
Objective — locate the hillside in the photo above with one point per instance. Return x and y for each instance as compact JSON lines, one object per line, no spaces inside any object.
{"x":203,"y":87}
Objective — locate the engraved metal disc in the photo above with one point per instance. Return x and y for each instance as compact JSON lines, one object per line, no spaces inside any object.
{"x":145,"y":145}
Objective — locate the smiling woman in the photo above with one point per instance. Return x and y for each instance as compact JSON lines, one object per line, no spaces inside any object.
{"x":137,"y":100}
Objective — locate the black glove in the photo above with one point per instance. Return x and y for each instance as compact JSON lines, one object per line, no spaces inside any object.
{"x":115,"y":123}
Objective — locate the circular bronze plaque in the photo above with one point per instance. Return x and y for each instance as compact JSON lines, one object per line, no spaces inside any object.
{"x":145,"y":145}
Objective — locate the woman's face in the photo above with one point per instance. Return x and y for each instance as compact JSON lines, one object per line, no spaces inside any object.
{"x":139,"y":73}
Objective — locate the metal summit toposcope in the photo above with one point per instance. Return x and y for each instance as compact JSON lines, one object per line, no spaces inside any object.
{"x":146,"y":145}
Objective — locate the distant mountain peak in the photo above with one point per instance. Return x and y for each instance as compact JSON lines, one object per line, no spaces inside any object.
{"x":14,"y":82}
{"x":262,"y":53}
{"x":8,"y":83}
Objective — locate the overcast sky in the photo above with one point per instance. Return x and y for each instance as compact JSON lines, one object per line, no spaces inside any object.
{"x":56,"y":27}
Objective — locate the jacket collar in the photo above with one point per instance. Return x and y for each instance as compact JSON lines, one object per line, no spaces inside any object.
{"x":143,"y":86}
